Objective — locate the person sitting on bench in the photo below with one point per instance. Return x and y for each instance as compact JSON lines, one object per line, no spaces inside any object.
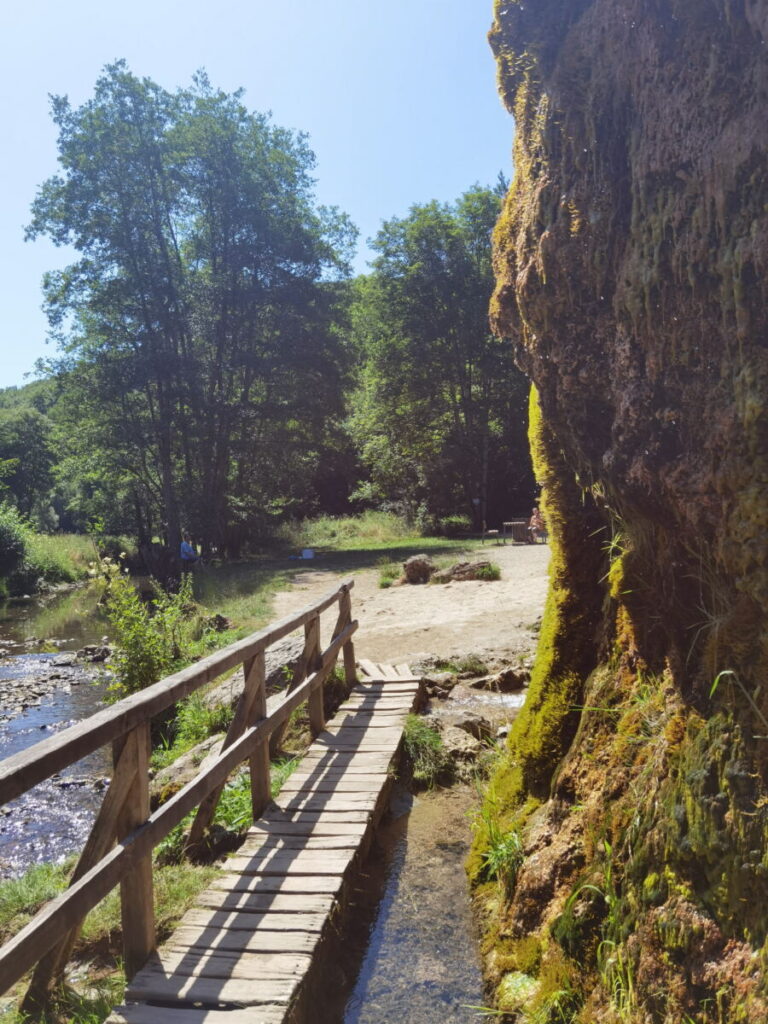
{"x":536,"y":528}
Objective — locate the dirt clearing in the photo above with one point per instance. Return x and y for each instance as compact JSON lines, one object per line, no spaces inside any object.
{"x":494,"y":619}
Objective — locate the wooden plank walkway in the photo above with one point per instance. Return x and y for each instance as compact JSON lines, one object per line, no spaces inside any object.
{"x":244,"y":954}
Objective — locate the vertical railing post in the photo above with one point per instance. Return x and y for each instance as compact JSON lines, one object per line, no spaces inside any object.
{"x":345,"y":614}
{"x":314,"y":662}
{"x":259,"y":764}
{"x":99,"y":842}
{"x":136,"y":895}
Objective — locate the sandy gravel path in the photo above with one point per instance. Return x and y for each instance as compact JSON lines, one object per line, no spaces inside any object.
{"x":491,"y":619}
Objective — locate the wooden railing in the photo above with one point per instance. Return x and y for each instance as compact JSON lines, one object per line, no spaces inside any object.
{"x":119,"y":848}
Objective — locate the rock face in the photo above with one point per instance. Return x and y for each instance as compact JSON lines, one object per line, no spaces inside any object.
{"x":631,"y":272}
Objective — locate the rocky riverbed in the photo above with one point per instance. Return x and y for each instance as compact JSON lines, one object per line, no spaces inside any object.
{"x":42,"y":694}
{"x":48,"y":681}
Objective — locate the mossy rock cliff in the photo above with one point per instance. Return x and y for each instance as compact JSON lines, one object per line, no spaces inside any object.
{"x":631,"y":266}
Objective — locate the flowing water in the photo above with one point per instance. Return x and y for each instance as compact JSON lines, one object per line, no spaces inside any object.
{"x":42,"y":692}
{"x":421,"y":964}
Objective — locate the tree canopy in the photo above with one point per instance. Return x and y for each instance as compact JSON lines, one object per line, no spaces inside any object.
{"x":198,"y":326}
{"x":439,"y":417}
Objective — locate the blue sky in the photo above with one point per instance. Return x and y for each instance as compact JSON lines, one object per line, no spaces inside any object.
{"x":398,"y":98}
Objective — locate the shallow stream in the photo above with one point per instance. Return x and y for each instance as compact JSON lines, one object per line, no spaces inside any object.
{"x":42,"y":692}
{"x":421,"y":963}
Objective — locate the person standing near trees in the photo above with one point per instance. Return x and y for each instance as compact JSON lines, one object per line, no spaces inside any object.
{"x":187,"y":553}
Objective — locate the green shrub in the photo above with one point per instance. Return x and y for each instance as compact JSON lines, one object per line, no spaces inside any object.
{"x":150,"y":641}
{"x":489,"y":572}
{"x":455,"y":526}
{"x":13,"y":540}
{"x":58,"y":558}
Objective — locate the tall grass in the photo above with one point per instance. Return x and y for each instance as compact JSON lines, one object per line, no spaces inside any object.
{"x":371,"y":529}
{"x":243,"y":591}
{"x":424,"y":747}
{"x":59,"y":557}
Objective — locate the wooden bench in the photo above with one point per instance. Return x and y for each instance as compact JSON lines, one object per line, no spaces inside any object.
{"x":517,"y":531}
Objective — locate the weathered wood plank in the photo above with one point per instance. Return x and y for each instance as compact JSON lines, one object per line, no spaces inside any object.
{"x":268,"y":921}
{"x":287,"y":903}
{"x":239,"y":941}
{"x":381,"y":733}
{"x":324,"y":828}
{"x":369,"y":668}
{"x":245,"y":980}
{"x":392,"y":687}
{"x":282,"y":968}
{"x":304,"y":842}
{"x":180,"y":1014}
{"x":359,"y":783}
{"x":315,"y":704}
{"x":262,"y":884}
{"x":136,"y":890}
{"x":347,"y":759}
{"x":278,"y":816}
{"x":345,"y":616}
{"x":366,"y":720}
{"x":371,"y":745}
{"x":294,"y":862}
{"x":331,"y":804}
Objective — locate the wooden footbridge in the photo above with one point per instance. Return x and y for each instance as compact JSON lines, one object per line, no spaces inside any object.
{"x":250,"y":950}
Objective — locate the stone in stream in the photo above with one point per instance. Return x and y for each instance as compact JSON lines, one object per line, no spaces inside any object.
{"x":474,"y":724}
{"x":460,"y":745}
{"x":64,"y":660}
{"x":508,"y":680}
{"x":94,"y":652}
{"x":439,"y":684}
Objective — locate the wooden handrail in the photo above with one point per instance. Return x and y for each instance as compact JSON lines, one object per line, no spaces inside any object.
{"x":22,"y":771}
{"x":49,"y":937}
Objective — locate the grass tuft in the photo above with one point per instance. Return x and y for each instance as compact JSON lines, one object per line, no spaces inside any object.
{"x":424,"y":747}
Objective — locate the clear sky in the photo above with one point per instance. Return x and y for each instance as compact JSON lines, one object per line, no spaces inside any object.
{"x":398,"y":98}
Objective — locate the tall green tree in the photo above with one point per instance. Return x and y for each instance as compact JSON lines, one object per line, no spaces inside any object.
{"x":197,"y":325}
{"x":440,"y":415}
